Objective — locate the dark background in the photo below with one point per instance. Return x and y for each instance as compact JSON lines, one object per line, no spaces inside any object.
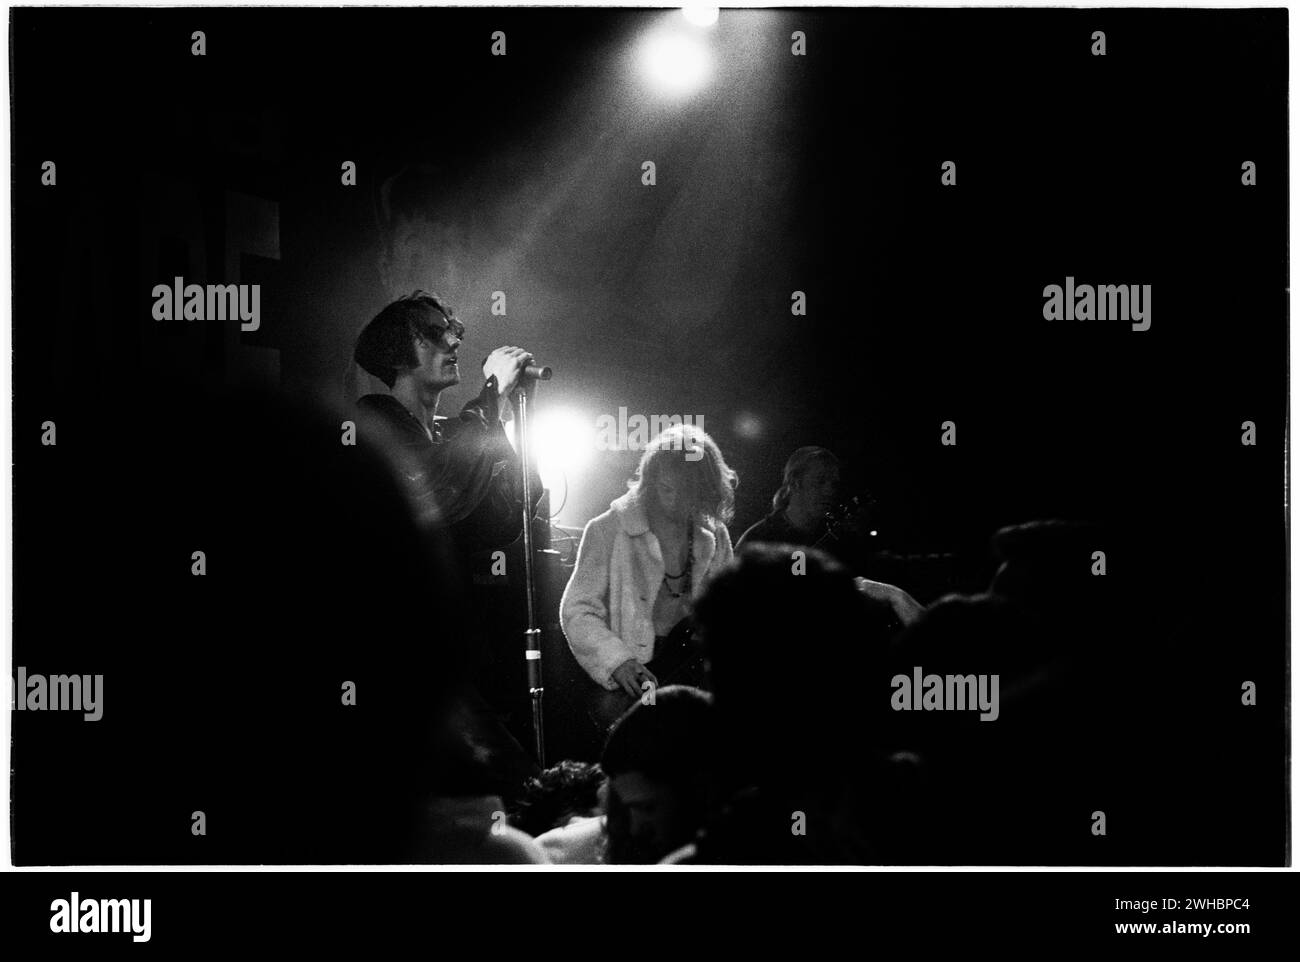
{"x":817,"y":173}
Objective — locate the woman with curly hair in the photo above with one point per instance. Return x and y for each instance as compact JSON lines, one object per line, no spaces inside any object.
{"x":625,"y":609}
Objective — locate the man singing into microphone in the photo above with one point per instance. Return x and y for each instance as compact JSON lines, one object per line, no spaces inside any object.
{"x":462,"y":475}
{"x":461,"y":472}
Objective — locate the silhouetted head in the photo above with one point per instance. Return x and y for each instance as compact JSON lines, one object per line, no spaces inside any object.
{"x":657,"y":759}
{"x":562,"y":792}
{"x":795,"y":651}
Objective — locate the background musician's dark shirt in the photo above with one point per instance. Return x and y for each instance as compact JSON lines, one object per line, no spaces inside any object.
{"x":777,"y":529}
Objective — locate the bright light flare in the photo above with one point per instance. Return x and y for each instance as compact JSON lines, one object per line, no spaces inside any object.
{"x":564,"y":444}
{"x":676,"y":63}
{"x":699,"y":15}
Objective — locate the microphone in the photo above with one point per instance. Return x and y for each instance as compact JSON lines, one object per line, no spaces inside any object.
{"x":536,"y":372}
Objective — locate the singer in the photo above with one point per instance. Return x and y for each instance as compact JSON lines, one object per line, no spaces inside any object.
{"x":461,"y":473}
{"x":463,"y":478}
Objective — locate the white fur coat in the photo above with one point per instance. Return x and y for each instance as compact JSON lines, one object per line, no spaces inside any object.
{"x":607,"y":605}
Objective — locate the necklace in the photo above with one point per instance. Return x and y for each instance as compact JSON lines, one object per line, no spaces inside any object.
{"x":685,"y":573}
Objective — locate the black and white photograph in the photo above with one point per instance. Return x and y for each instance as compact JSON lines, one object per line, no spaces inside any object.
{"x":671,"y":438}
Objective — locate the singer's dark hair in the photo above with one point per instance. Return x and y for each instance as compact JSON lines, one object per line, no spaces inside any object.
{"x":386,"y":346}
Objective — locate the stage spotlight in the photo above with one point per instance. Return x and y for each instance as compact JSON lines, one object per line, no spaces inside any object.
{"x":564,"y":443}
{"x":700,"y":16}
{"x":677,"y":64}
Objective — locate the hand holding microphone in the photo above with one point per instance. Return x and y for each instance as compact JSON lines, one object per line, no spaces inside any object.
{"x":510,"y":365}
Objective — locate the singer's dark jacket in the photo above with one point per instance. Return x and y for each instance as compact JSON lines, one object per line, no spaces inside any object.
{"x":465,"y":481}
{"x":466,"y":478}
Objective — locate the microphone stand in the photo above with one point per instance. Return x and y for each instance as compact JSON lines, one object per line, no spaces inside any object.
{"x":532,"y":633}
